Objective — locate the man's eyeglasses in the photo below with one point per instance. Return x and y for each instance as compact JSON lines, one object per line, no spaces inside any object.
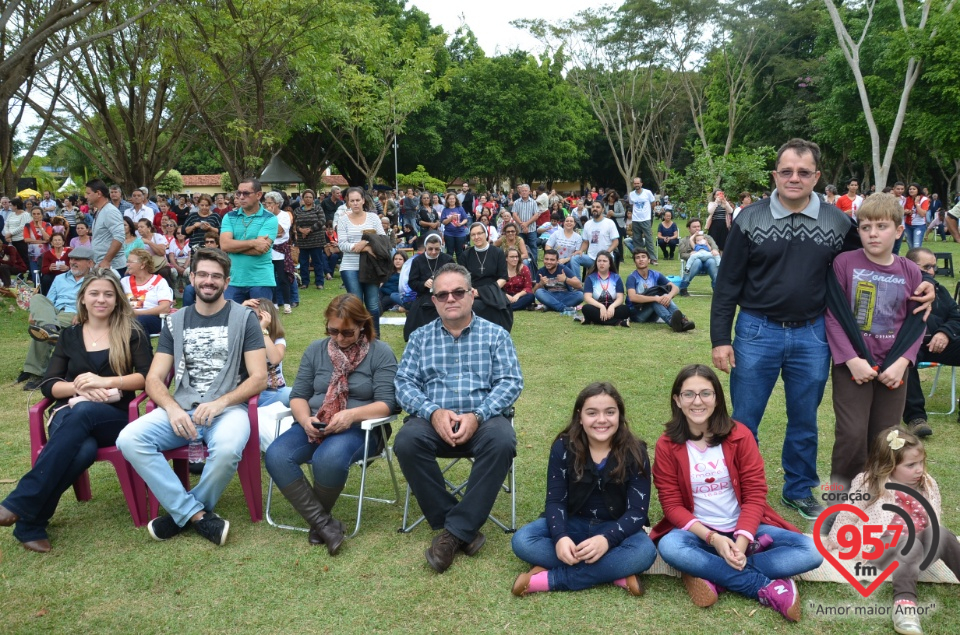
{"x":930,"y":268}
{"x":210,"y":242}
{"x":203,"y":275}
{"x":344,"y":332}
{"x":242,"y":194}
{"x":803,"y":174}
{"x":457,"y":294}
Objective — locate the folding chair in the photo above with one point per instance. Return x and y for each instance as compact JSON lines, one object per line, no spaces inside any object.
{"x":936,"y":379}
{"x":368,"y":426}
{"x":130,"y":484}
{"x":509,"y":486}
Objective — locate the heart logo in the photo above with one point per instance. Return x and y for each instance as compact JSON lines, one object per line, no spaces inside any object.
{"x":817,"y":539}
{"x":709,"y":479}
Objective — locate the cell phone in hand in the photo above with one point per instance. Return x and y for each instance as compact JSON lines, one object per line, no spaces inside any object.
{"x":318,"y":425}
{"x":456,"y":427}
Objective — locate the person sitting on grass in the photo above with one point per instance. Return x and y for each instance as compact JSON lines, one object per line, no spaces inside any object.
{"x":603,"y":295}
{"x":598,"y":494}
{"x":558,"y":288}
{"x":718,"y":529}
{"x":650,"y":296}
{"x":390,"y":297}
{"x":519,"y":286}
{"x":708,"y":260}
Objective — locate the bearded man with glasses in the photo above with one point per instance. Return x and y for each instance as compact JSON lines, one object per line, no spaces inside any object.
{"x":457,"y":377}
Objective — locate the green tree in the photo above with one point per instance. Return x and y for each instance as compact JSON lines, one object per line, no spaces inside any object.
{"x":525,"y":122}
{"x":885,"y":47}
{"x":422,"y":180}
{"x":122,"y":108}
{"x":168,"y":182}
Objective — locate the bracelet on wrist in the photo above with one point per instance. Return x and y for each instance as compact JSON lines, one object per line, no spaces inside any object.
{"x":709,"y":538}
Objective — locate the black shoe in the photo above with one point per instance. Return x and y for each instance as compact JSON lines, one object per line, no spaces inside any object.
{"x":197,"y":467}
{"x":24,"y":376}
{"x":676,"y":321}
{"x":808,"y":507}
{"x":684,"y":293}
{"x":165,"y":527}
{"x":48,"y":333}
{"x":33,"y":384}
{"x":471,"y":548}
{"x":442,"y":550}
{"x":686,"y":324}
{"x":920,"y":427}
{"x":213,"y":528}
{"x":625,"y":323}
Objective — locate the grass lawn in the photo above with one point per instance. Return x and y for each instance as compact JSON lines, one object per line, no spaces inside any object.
{"x":104,"y":575}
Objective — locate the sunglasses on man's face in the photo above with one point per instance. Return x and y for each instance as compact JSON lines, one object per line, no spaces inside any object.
{"x":457,"y":294}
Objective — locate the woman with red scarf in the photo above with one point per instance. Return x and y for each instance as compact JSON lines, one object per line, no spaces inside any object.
{"x":343,"y":379}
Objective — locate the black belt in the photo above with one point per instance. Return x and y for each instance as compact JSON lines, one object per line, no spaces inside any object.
{"x":796,"y":324}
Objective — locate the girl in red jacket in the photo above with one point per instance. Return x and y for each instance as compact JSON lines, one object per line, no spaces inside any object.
{"x":717,"y":527}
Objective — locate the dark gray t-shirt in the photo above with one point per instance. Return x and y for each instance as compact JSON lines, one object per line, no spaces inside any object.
{"x":205,"y":341}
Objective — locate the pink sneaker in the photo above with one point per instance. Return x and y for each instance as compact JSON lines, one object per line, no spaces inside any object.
{"x":703,"y":592}
{"x":783,"y":597}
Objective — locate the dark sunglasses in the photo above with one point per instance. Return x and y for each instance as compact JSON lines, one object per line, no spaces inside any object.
{"x":344,"y":332}
{"x":443,"y":296}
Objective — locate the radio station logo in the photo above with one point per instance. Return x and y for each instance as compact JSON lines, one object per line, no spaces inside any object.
{"x":866,"y":544}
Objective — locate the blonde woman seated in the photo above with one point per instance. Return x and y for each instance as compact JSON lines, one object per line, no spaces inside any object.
{"x":148,"y":293}
{"x":103,"y":359}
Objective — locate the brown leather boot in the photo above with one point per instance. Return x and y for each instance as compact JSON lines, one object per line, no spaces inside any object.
{"x":303,"y":499}
{"x":332,"y":532}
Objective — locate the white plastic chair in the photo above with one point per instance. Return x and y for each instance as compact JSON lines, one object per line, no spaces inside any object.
{"x":368,"y":426}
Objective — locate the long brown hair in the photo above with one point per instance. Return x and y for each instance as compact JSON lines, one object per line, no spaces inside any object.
{"x":123,"y":322}
{"x":348,"y":307}
{"x":883,"y":459}
{"x":720,"y":424}
{"x":275,"y":329}
{"x":625,"y":448}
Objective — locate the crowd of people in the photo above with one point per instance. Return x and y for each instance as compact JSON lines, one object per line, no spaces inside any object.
{"x":845,"y":305}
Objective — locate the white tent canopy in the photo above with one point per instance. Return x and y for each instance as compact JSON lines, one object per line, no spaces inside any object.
{"x":67,"y":185}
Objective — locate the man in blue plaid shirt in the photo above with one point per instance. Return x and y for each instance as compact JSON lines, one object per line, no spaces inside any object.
{"x":457,"y":376}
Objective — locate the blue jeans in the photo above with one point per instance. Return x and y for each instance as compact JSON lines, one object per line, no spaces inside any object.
{"x":142,"y":442}
{"x":764,"y":351}
{"x":532,"y":543}
{"x":369,"y":293}
{"x":390,"y":300}
{"x":530,"y":238}
{"x":523,"y":302}
{"x":790,"y":554}
{"x":189,"y":296}
{"x":698,"y":266}
{"x":914,"y":235}
{"x":330,"y":461}
{"x":268,"y":397}
{"x":319,"y":260}
{"x":75,"y":435}
{"x":239,"y":294}
{"x":558,"y":300}
{"x":583,"y":260}
{"x":455,"y":246}
{"x":650,"y":311}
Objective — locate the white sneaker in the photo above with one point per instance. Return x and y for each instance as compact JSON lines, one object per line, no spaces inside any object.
{"x":287,"y":309}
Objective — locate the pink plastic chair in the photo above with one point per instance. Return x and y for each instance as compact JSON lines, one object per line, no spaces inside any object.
{"x":248,"y":469}
{"x":134,"y":491}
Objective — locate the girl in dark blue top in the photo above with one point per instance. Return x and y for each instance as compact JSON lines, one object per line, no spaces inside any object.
{"x":598,"y":494}
{"x":454,"y":220}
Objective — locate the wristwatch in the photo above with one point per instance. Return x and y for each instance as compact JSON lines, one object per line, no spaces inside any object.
{"x":479,"y":416}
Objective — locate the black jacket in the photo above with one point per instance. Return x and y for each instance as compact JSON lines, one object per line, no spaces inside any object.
{"x":945,"y":316}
